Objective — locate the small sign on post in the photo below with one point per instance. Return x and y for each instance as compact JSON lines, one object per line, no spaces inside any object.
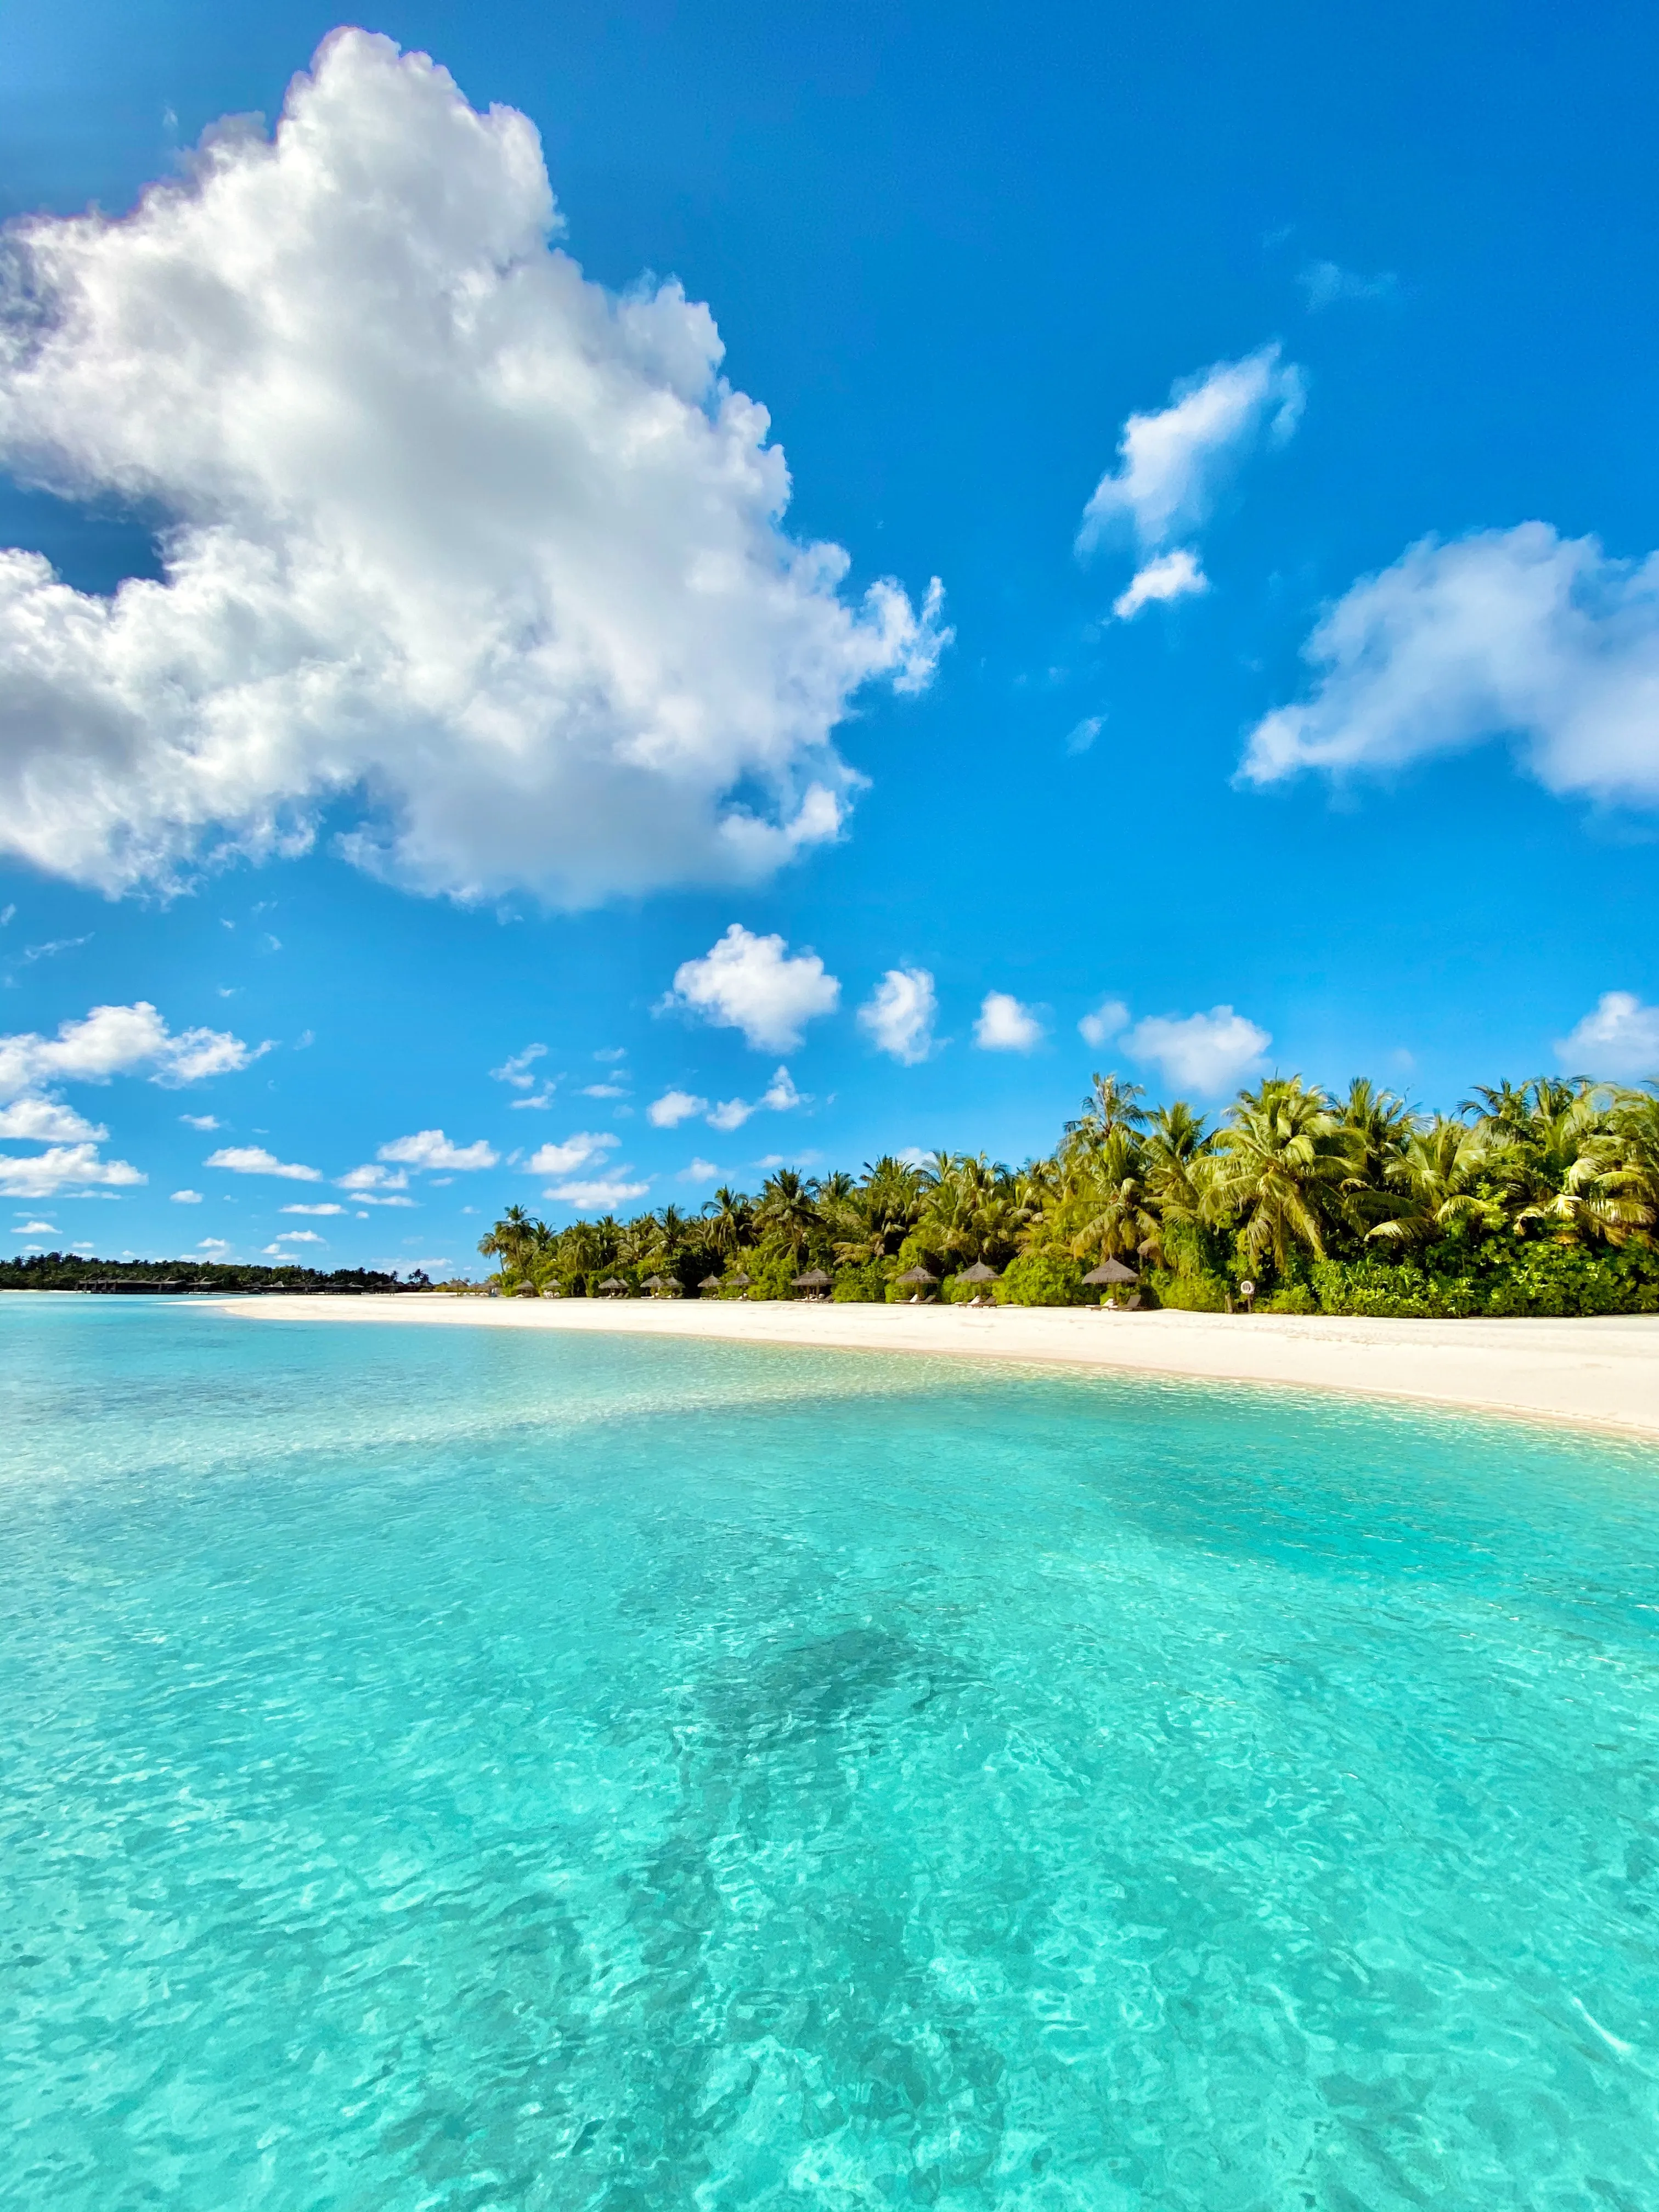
{"x":1246,"y":1291}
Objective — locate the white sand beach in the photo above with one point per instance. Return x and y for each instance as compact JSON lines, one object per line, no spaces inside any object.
{"x":1601,"y":1373}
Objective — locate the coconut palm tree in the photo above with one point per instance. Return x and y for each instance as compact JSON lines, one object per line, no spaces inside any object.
{"x":786,"y":1212}
{"x":731,"y":1218}
{"x":1635,"y":1179}
{"x":1111,"y":1104}
{"x":1557,"y":1168}
{"x":1436,"y":1182}
{"x":510,"y":1242}
{"x":1280,"y":1162}
{"x":1122,"y":1222}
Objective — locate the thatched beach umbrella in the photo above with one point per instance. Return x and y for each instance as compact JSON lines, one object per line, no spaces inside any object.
{"x":739,"y":1282}
{"x":709,"y":1282}
{"x":979,"y":1273}
{"x":652,"y":1283}
{"x":667,"y":1286}
{"x":918,"y":1275}
{"x":1112,"y":1272}
{"x":610,"y":1288}
{"x":815,"y":1282}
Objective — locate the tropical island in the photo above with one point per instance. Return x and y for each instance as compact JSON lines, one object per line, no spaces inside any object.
{"x":1539,"y":1198}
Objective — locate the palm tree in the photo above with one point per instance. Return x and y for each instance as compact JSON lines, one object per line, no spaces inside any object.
{"x":1559,"y":1166}
{"x":510,"y":1241}
{"x":1110,"y":1105}
{"x":786,"y":1212}
{"x":1279,"y":1160}
{"x":731,"y":1218}
{"x":1636,"y":1177}
{"x":1120,"y":1220}
{"x":1436,"y":1182}
{"x":1178,"y":1146}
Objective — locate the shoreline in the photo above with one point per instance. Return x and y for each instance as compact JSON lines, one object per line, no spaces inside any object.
{"x":1600,"y":1373}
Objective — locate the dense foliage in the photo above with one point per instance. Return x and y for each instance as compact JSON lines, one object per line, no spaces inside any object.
{"x":1537,"y":1198}
{"x":68,"y":1271}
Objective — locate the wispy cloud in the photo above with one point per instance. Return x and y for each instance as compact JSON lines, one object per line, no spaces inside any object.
{"x":1327,"y":284}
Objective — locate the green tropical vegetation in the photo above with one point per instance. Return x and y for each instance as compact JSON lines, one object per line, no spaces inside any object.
{"x":1534,"y":1198}
{"x":71,"y":1271}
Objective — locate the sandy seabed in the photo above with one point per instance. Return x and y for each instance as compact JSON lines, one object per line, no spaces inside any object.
{"x":1600,"y":1373}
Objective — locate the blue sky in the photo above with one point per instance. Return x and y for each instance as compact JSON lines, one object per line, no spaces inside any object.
{"x":419,"y":663}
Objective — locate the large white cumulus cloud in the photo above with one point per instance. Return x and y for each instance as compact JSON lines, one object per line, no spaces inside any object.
{"x":453,"y":535}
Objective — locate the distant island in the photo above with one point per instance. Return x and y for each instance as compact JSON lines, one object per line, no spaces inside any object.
{"x":1540,"y":1198}
{"x":71,"y":1271}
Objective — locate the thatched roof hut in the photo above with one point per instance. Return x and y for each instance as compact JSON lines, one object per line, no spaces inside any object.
{"x":814,"y":1280}
{"x":1110,"y":1272}
{"x":610,"y":1288}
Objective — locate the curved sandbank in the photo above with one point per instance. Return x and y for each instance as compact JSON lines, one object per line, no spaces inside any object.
{"x":1600,"y":1373}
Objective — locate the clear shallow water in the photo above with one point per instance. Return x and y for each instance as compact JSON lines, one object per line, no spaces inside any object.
{"x":449,"y":1767}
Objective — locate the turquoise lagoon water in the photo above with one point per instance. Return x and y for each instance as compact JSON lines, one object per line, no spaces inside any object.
{"x":451,"y":1767}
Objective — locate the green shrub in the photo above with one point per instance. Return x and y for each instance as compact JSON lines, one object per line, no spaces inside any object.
{"x":864,"y":1286}
{"x":1187,"y":1293}
{"x":1501,"y":1278}
{"x":1042,"y":1278}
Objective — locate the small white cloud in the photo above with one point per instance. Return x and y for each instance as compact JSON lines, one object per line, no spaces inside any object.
{"x":299,"y":1236}
{"x":779,"y":1097}
{"x":1103,"y":1023}
{"x":199,"y":1120}
{"x":254,"y":1159}
{"x":579,"y":1151}
{"x":612,"y":1055}
{"x":755,"y":985}
{"x":214,"y":1245}
{"x":1082,"y":735}
{"x":1171,"y":463}
{"x":62,"y":1168}
{"x":187,"y":1198}
{"x":1004,"y":1026}
{"x":606,"y":1090}
{"x":30,"y":1228}
{"x":118,"y":1041}
{"x":673,"y":1108}
{"x":539,"y":1101}
{"x":1514,"y":634}
{"x":605,"y":1196}
{"x":1619,"y":1041}
{"x":898,"y":1017}
{"x":44,"y":1121}
{"x":516,"y":1070}
{"x":327,"y":1207}
{"x":371,"y":1178}
{"x":1206,"y":1052}
{"x":430,"y":1148}
{"x":1327,"y":284}
{"x":1172,"y":576}
{"x":700,"y":1171}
